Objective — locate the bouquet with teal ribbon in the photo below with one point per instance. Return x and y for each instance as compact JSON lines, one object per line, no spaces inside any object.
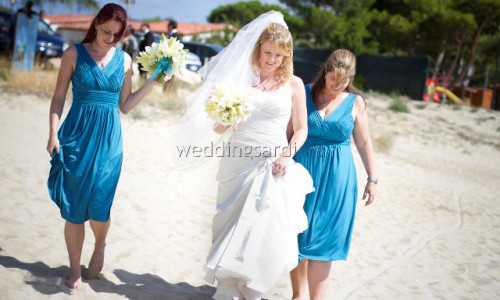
{"x":163,"y":60}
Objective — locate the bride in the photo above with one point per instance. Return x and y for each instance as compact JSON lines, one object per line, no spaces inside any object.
{"x":261,"y":190}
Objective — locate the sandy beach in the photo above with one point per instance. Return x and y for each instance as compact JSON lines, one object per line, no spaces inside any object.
{"x":432,"y":233}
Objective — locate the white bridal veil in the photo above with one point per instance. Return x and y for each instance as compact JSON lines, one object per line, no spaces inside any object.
{"x":194,"y":135}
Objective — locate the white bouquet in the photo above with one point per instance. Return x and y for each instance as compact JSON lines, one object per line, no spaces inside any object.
{"x":226,"y":104}
{"x":163,"y":59}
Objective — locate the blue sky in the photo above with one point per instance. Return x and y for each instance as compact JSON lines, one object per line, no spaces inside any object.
{"x":181,"y":10}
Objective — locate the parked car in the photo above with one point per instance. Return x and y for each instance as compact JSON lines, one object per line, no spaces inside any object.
{"x":193,"y":62}
{"x":204,"y":50}
{"x":5,"y":35}
{"x":48,"y":42}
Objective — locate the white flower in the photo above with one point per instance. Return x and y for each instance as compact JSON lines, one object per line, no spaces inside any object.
{"x":226,"y":104}
{"x":170,"y":49}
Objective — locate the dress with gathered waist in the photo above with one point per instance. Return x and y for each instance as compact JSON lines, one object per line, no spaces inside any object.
{"x":84,"y":175}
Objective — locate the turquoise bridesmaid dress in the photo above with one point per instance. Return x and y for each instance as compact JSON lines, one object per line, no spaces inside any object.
{"x":327,"y":156}
{"x":84,"y":175}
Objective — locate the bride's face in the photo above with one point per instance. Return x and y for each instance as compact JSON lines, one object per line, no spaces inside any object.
{"x":270,"y":57}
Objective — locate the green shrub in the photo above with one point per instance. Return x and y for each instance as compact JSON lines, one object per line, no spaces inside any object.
{"x":399,"y":105}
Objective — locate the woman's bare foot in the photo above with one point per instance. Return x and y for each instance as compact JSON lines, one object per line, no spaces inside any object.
{"x":89,"y":273}
{"x":95,"y":265}
{"x":74,"y":280}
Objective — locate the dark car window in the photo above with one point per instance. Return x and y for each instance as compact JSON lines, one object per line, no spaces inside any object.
{"x":5,"y":24}
{"x":5,"y":32}
{"x":5,"y":21}
{"x":203,"y":50}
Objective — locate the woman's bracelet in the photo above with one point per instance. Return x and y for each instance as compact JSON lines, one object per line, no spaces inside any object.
{"x":374,"y":180}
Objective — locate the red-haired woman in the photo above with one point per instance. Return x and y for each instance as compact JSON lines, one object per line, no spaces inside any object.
{"x":87,"y":150}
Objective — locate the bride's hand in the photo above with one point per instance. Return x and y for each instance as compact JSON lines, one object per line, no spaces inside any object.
{"x":280,"y":165}
{"x":220,"y":129}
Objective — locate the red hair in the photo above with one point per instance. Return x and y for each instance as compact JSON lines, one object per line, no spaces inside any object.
{"x":108,"y":12}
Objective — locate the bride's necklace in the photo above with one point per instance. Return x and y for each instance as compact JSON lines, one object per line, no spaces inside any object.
{"x":273,"y":83}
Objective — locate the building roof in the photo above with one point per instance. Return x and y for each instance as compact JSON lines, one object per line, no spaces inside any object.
{"x":82,"y":23}
{"x":63,"y":19}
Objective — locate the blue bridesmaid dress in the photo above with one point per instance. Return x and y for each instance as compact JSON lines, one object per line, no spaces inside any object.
{"x":84,"y":175}
{"x":327,"y":156}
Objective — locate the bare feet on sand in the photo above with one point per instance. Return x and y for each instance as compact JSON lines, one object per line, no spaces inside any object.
{"x":95,"y":265}
{"x":74,"y":280}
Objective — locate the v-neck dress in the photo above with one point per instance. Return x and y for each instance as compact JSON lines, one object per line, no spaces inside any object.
{"x":327,"y":156}
{"x":84,"y":175}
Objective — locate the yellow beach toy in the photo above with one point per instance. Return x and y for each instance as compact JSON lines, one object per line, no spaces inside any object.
{"x":449,"y":94}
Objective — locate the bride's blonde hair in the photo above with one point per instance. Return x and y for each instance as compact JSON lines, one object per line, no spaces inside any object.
{"x":279,"y":34}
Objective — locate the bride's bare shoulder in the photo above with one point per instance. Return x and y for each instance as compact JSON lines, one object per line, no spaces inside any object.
{"x":295,"y":81}
{"x":296,"y":84}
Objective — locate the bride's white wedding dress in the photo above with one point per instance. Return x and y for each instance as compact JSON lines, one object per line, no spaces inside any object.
{"x":259,"y":215}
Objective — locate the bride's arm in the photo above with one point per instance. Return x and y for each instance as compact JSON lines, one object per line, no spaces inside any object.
{"x":299,"y":117}
{"x":299,"y":126}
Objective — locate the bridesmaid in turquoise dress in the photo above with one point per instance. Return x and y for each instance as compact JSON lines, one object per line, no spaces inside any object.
{"x":336,"y":112}
{"x":87,"y":150}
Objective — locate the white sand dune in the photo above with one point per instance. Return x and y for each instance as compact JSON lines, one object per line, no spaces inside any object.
{"x":433,"y":232}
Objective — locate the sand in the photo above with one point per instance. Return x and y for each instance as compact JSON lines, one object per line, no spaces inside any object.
{"x":432,"y":233}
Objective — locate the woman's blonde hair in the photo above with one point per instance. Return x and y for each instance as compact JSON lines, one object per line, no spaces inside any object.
{"x":279,"y":34}
{"x":343,"y":63}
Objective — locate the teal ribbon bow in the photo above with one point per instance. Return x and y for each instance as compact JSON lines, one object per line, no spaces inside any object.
{"x":163,"y":65}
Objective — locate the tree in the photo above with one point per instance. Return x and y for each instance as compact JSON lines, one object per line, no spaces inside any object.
{"x":223,"y":38}
{"x":242,"y":13}
{"x":334,"y":24}
{"x":392,"y":34}
{"x":456,"y":34}
{"x":440,"y":27}
{"x":486,"y":14}
{"x":451,"y":30}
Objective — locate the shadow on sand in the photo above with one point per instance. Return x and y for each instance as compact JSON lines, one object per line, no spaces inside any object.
{"x":44,"y":279}
{"x":149,"y":286}
{"x":50,"y":281}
